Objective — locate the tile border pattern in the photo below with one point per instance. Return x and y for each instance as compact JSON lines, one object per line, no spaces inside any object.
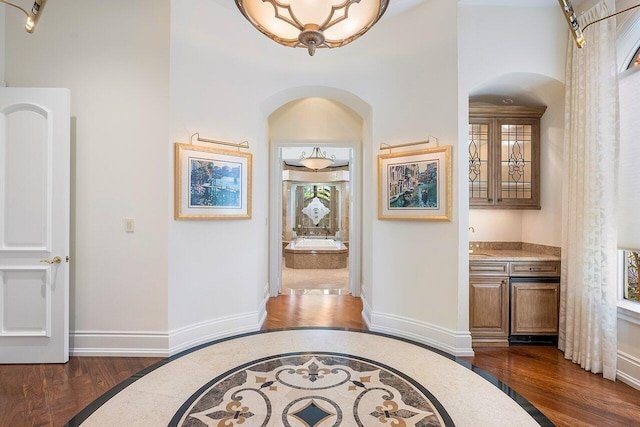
{"x":316,"y":374}
{"x":538,"y":416}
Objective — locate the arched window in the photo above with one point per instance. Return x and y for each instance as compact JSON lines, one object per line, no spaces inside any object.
{"x":635,"y":62}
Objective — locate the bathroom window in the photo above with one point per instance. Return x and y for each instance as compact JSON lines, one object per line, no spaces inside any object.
{"x":326,"y":223}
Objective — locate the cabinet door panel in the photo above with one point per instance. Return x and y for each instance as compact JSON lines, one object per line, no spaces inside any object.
{"x":534,"y":308}
{"x":480,"y":171}
{"x":488,"y":307}
{"x":519,"y":153}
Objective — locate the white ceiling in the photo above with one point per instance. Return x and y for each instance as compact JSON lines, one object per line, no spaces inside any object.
{"x":398,"y":6}
{"x":517,"y":3}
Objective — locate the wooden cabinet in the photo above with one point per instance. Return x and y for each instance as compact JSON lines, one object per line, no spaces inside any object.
{"x":534,"y":308}
{"x":489,"y":311}
{"x":512,"y":301}
{"x":504,"y":157}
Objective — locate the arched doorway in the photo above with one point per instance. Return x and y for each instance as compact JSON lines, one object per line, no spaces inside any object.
{"x":310,"y":121}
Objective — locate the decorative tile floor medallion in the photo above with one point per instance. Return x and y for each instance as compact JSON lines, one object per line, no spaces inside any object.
{"x":312,"y":390}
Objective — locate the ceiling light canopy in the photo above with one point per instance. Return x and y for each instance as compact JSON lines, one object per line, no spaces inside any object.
{"x":32,"y":16}
{"x":313,"y":23}
{"x":317,"y":160}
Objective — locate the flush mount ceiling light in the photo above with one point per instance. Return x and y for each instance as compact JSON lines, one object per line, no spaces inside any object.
{"x":313,"y":24}
{"x":574,"y":26}
{"x":33,"y":16}
{"x":317,"y":160}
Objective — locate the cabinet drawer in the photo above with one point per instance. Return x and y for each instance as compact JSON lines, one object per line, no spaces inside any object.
{"x":535,"y":269}
{"x":488,"y":268}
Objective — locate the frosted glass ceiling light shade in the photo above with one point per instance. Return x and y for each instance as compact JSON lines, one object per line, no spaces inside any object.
{"x":313,"y":23}
{"x":32,"y":16}
{"x":317,"y":160}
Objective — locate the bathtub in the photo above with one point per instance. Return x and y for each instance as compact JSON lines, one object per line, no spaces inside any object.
{"x":315,"y":253}
{"x":316,"y":244}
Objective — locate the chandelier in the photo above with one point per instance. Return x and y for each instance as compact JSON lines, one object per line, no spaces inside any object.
{"x":317,"y":160}
{"x":313,"y":23}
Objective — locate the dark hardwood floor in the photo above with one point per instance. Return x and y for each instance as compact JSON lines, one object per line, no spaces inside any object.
{"x":49,"y":395}
{"x":342,"y":311}
{"x":52,"y":394}
{"x":565,"y":393}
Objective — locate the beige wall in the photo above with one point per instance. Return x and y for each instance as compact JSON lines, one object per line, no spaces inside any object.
{"x":115,"y":61}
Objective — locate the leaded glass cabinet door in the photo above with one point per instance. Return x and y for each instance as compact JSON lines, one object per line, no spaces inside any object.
{"x":504,"y":156}
{"x":517,"y":177}
{"x":480,"y":170}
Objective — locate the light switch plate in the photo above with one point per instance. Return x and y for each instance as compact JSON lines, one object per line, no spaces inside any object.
{"x":129,"y":225}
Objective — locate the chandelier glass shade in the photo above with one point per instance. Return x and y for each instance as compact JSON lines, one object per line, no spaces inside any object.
{"x":313,"y":23}
{"x":317,"y":160}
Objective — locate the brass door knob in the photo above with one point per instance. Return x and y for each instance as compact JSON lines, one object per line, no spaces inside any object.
{"x":56,"y":260}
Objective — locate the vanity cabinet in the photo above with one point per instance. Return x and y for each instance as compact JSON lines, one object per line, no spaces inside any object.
{"x":504,"y":156}
{"x":512,"y":301}
{"x":489,"y":310}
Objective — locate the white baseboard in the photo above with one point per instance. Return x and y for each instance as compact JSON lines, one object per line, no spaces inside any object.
{"x":628,"y":369}
{"x":161,"y":344}
{"x":262,"y":310}
{"x":192,"y":335}
{"x":447,"y":340}
{"x":366,"y":311}
{"x":119,"y":343}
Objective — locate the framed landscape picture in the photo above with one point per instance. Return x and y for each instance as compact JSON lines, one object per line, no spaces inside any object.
{"x":415,"y":185}
{"x":211,"y":183}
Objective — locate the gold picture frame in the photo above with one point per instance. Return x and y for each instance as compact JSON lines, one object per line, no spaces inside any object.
{"x":211,"y":183}
{"x":415,"y":185}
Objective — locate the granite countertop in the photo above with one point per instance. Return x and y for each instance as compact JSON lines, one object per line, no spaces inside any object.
{"x":510,"y":255}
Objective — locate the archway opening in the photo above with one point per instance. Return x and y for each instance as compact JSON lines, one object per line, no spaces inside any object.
{"x":314,"y":225}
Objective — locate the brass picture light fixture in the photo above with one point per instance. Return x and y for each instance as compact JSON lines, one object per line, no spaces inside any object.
{"x":32,"y":16}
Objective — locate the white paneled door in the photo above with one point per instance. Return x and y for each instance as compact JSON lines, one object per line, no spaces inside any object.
{"x":34,"y":225}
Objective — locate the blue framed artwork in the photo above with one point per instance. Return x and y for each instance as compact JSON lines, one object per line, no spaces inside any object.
{"x":212,"y":183}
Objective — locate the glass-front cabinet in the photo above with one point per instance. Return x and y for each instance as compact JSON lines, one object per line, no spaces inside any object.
{"x":504,"y":156}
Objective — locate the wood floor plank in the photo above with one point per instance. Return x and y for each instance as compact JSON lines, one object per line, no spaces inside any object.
{"x":341,"y":311}
{"x":561,"y":390}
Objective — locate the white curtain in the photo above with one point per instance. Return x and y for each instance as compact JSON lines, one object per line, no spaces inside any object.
{"x":588,"y":297}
